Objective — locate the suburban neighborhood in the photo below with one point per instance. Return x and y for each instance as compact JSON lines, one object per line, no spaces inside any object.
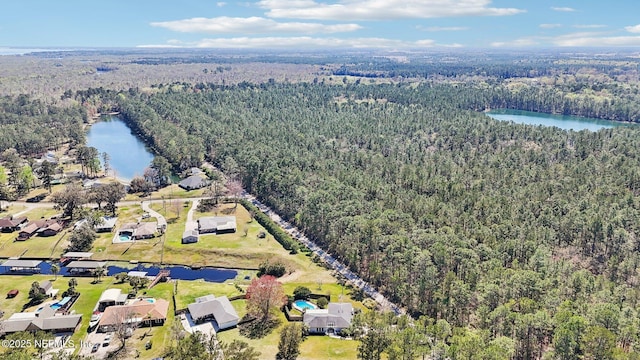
{"x":132,"y":310}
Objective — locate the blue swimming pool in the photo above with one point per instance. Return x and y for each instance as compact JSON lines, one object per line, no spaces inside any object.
{"x":302,"y":305}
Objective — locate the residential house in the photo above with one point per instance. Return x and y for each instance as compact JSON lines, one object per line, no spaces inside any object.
{"x":193,"y":182}
{"x":46,"y":320}
{"x":331,"y":320}
{"x":41,"y":227}
{"x":141,"y":312}
{"x":11,"y":224}
{"x":217,"y":224}
{"x":139,"y":231}
{"x":107,"y":224}
{"x":190,"y":237}
{"x":145,"y":230}
{"x":214,"y":308}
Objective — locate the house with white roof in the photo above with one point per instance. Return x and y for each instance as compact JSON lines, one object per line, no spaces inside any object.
{"x":331,"y":320}
{"x":219,"y":309}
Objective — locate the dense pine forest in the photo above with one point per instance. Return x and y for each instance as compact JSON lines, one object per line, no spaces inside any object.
{"x":516,"y":231}
{"x":494,"y":235}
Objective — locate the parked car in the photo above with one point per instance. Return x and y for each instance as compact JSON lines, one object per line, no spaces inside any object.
{"x":107,"y":340}
{"x":36,"y":198}
{"x":95,"y":348}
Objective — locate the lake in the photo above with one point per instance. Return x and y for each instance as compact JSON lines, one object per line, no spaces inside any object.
{"x":564,"y":122}
{"x":129,"y":155}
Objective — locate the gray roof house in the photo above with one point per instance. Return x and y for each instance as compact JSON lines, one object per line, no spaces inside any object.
{"x":217,"y":224}
{"x":45,"y":321}
{"x":193,"y":182}
{"x":107,"y":224}
{"x":331,"y":320}
{"x":214,"y":308}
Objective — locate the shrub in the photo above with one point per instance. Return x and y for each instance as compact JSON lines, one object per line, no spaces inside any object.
{"x":301,"y":292}
{"x":277,"y":269}
{"x":322,"y":302}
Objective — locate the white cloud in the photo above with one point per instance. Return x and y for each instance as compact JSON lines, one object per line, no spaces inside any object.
{"x":442,"y":28}
{"x":633,"y":29}
{"x":251,"y":25}
{"x":595,"y":39}
{"x":593,"y":26}
{"x":381,"y":9}
{"x":563,"y":9}
{"x":550,"y":26}
{"x":306,"y":42}
{"x":221,"y":3}
{"x":517,"y":43}
{"x":577,"y":39}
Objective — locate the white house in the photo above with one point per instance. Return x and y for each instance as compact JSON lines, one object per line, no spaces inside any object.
{"x":331,"y":320}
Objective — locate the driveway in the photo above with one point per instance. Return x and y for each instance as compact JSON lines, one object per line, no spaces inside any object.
{"x":162,"y":222}
{"x":191,"y":224}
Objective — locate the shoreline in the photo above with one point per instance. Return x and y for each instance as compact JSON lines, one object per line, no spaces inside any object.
{"x":127,"y":264}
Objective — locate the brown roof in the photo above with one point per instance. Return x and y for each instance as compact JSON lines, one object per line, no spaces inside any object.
{"x":141,"y":309}
{"x":30,"y":229}
{"x":10,"y":221}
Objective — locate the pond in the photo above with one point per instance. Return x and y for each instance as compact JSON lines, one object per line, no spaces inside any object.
{"x":564,"y":122}
{"x":177,"y":272}
{"x":129,"y":155}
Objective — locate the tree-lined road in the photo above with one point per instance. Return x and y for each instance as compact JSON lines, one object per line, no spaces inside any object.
{"x":326,"y":257}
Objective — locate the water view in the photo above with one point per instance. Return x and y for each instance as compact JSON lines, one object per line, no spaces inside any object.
{"x":177,"y":272}
{"x":564,"y":122}
{"x":129,"y":155}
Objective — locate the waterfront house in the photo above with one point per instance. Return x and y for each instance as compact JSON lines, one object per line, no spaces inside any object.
{"x":46,"y":320}
{"x":140,"y":312}
{"x":219,"y":309}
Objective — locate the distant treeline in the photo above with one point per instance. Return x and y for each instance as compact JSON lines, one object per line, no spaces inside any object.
{"x":32,"y":126}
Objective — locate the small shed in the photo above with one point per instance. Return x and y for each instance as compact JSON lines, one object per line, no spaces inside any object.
{"x":190,"y":237}
{"x":12,"y":293}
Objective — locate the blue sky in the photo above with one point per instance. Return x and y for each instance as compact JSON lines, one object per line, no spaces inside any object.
{"x":389,"y":24}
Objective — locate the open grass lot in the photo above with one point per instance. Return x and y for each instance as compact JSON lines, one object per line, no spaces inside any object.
{"x":188,"y":291}
{"x":233,"y":250}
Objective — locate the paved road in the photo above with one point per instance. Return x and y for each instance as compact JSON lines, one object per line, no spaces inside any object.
{"x":326,"y":257}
